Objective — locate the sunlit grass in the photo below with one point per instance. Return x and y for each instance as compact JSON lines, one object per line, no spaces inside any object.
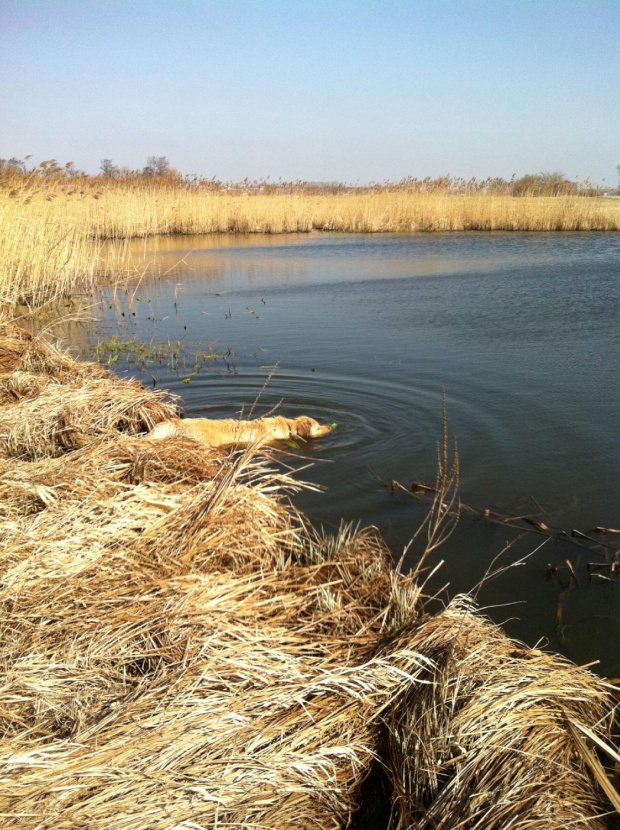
{"x":176,"y":635}
{"x":52,"y":232}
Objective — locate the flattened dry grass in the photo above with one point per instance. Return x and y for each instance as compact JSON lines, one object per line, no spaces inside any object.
{"x":488,"y":742}
{"x":67,"y":416}
{"x":179,"y":648}
{"x":187,"y":650}
{"x":106,"y":466}
{"x":52,"y":403}
{"x":22,"y":352}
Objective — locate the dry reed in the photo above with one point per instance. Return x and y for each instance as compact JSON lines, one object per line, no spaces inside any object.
{"x":487,"y":744}
{"x":179,"y":648}
{"x":67,"y":416}
{"x":23,"y":352}
{"x":52,"y":229}
{"x":52,"y":403}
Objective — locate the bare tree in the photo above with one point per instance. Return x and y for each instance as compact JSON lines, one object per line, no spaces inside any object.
{"x":156,"y":166}
{"x":15,"y":165}
{"x":546,"y":183}
{"x":108,"y":168}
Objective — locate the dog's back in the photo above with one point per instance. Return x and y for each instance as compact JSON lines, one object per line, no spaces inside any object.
{"x":224,"y":431}
{"x":227,"y":432}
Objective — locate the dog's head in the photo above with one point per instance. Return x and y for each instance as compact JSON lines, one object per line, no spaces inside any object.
{"x":304,"y":427}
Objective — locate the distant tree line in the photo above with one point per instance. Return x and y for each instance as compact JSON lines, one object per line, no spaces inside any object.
{"x":155,"y":167}
{"x":158,"y":169}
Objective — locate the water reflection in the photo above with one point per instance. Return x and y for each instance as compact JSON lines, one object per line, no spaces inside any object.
{"x":259,"y":261}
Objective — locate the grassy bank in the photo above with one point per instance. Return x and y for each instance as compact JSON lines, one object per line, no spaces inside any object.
{"x":180,"y":648}
{"x":52,"y":230}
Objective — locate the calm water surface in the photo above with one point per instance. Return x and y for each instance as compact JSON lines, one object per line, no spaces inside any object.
{"x":522,"y":331}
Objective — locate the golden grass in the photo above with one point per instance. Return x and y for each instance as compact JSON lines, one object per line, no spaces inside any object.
{"x":179,"y":648}
{"x":56,"y":403}
{"x":52,"y":231}
{"x":494,"y":705}
{"x":66,"y":416}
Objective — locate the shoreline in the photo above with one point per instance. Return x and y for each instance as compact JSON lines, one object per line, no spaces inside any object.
{"x":51,"y":237}
{"x":178,"y":636}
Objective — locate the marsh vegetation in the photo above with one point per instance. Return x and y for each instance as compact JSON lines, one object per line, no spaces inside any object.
{"x":181,"y":646}
{"x":54,"y":220}
{"x":175,"y":632}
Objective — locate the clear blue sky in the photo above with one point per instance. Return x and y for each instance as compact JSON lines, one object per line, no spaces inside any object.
{"x":317,"y":90}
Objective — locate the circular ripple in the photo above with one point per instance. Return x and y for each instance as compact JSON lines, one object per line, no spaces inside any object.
{"x":371,"y":417}
{"x":391,"y":430}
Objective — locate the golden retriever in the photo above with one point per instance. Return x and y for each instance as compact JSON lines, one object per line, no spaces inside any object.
{"x":227,"y":432}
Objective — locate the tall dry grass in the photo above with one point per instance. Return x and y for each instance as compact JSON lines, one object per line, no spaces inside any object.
{"x":52,"y":228}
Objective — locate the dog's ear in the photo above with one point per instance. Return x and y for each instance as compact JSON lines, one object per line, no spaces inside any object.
{"x":302,"y":427}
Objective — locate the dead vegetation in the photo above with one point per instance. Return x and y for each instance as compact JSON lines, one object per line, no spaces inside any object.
{"x":52,"y":403}
{"x":179,"y":648}
{"x":61,"y":232}
{"x":489,"y":740}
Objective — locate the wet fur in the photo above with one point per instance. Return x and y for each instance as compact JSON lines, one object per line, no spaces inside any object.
{"x":228,"y":432}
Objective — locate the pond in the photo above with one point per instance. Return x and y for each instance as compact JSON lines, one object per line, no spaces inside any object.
{"x":521,"y":330}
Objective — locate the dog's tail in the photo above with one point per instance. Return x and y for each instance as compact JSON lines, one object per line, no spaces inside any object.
{"x":165,"y":429}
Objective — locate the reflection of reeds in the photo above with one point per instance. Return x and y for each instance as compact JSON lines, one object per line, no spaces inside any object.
{"x":52,"y":230}
{"x":181,"y":649}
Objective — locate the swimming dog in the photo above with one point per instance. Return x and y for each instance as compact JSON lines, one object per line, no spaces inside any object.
{"x":228,"y":432}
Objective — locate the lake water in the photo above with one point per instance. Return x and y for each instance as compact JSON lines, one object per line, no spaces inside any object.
{"x":521,"y":330}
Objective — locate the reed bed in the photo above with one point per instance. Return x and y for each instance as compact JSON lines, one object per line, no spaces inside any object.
{"x":179,"y":648}
{"x":106,"y":466}
{"x":52,"y":403}
{"x":66,"y":416}
{"x":489,"y":737}
{"x":22,"y":352}
{"x":52,"y":231}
